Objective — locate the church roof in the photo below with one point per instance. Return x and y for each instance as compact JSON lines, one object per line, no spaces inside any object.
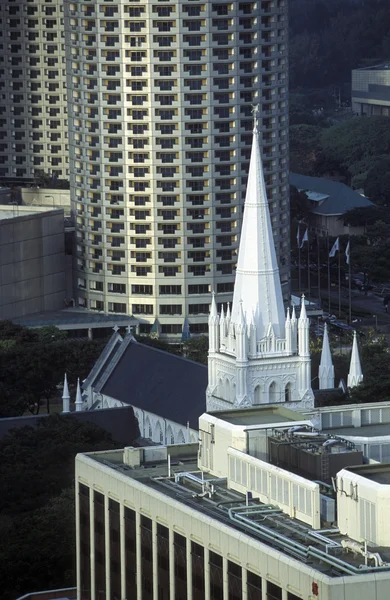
{"x":159,"y":382}
{"x":333,"y":197}
{"x":257,"y":282}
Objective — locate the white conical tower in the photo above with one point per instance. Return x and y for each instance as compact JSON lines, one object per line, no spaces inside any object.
{"x":79,"y":400}
{"x":65,"y":396}
{"x":258,"y":359}
{"x":257,"y":276}
{"x":355,"y":375}
{"x":213,"y":326}
{"x":326,"y":370}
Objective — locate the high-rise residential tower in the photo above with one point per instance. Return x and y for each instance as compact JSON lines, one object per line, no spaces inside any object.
{"x":33,"y":104}
{"x":161,"y":100}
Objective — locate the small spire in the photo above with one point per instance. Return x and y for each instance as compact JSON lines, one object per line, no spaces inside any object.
{"x":303,"y":314}
{"x":288,"y":319}
{"x":222,"y":314}
{"x":326,"y":370}
{"x":293,"y":314}
{"x":65,"y":396}
{"x":355,"y":375}
{"x":79,"y":400}
{"x":213,"y":311}
{"x":242,"y":320}
{"x":228,"y":311}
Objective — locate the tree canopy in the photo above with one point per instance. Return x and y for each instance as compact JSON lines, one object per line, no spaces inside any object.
{"x":33,"y":363}
{"x":37,"y":524}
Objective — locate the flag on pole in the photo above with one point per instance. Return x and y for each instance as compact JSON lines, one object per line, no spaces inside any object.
{"x":335,"y":248}
{"x":298,"y":240}
{"x":347,"y":254}
{"x":305,"y":238}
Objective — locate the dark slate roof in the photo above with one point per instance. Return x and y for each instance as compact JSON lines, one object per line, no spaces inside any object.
{"x":341,"y":198}
{"x":74,"y":318}
{"x":159,"y":382}
{"x":120,"y":422}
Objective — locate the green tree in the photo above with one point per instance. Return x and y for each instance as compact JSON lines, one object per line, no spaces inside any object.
{"x":37,"y":523}
{"x":197,"y":348}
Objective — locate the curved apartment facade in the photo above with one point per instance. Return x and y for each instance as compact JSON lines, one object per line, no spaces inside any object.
{"x":33,"y":106}
{"x":160,"y":101}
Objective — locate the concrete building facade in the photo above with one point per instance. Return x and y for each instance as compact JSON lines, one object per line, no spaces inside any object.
{"x":161,"y":99}
{"x":33,"y":120}
{"x":32,"y":261}
{"x":371,"y":91}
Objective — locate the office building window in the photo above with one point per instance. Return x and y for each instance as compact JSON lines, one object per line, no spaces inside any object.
{"x":100,"y":545}
{"x":253,"y":586}
{"x":130,"y":554}
{"x":163,"y":562}
{"x":216,"y":576}
{"x":274,"y":592}
{"x":234,"y":581}
{"x":146,"y":558}
{"x":85,"y":543}
{"x":115,"y":553}
{"x":197,"y":559}
{"x":180,"y":561}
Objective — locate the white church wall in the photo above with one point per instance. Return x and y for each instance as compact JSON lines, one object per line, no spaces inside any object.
{"x":151,"y":426}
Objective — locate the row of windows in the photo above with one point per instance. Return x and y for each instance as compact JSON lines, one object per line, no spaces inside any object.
{"x":164,"y":539}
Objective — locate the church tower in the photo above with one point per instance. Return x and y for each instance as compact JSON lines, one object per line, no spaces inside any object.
{"x":257,"y":355}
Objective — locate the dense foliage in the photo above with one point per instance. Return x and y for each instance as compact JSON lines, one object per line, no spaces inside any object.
{"x":33,"y":363}
{"x":37,"y":523}
{"x":329,"y":38}
{"x":357,"y":150}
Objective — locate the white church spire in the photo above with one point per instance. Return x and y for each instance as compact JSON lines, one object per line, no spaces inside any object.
{"x":257,"y":276}
{"x":65,"y":396}
{"x":326,"y":370}
{"x":79,"y":399}
{"x":355,"y":375}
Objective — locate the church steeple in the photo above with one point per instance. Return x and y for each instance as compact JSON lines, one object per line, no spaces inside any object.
{"x":257,"y":275}
{"x":326,"y":370}
{"x":355,"y":375}
{"x":259,"y":359}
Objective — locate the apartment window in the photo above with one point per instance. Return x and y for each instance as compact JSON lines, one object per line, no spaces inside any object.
{"x":170,"y":309}
{"x":117,"y":307}
{"x":199,"y":289}
{"x":169,"y":271}
{"x":175,"y":329}
{"x":142,"y":290}
{"x":116,"y":288}
{"x":223,"y":288}
{"x":198,"y":270}
{"x":199,"y":309}
{"x":142,"y":309}
{"x":198,"y":328}
{"x":166,"y":290}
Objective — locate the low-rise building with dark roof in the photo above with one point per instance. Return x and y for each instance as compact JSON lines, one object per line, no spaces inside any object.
{"x":167,"y":392}
{"x":329,"y":200}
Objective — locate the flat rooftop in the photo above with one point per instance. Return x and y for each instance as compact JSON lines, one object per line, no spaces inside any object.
{"x":379,"y":473}
{"x":261,"y":415}
{"x":380,"y":67}
{"x":75,"y":318}
{"x":380,"y":430}
{"x":275,"y":529}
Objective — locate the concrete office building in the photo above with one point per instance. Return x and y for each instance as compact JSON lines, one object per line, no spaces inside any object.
{"x":32,"y":261}
{"x":33,"y":121}
{"x":217,"y":522}
{"x":161,"y":98}
{"x":371,"y":91}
